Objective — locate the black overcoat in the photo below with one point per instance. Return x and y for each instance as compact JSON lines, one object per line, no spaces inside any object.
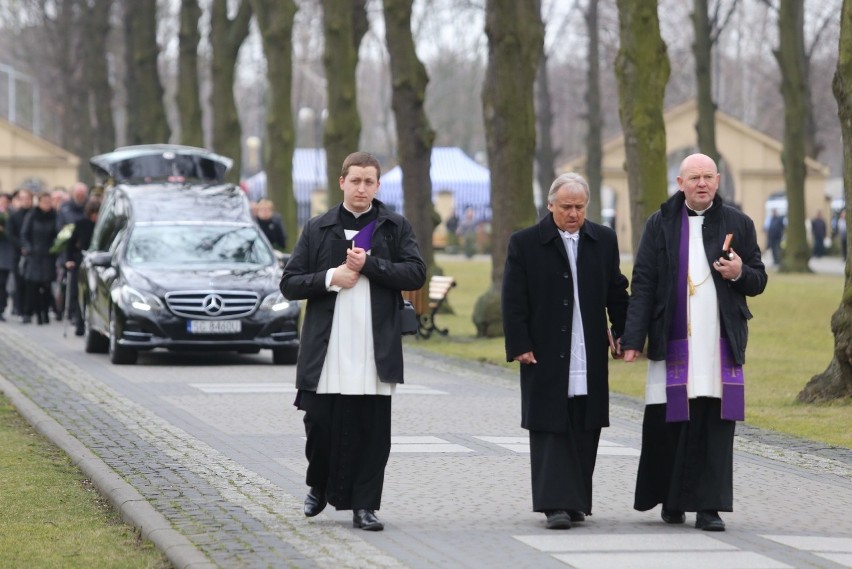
{"x":538,"y":306}
{"x":393,"y":265}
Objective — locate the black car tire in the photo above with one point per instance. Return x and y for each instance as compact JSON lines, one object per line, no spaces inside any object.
{"x":95,"y":343}
{"x":285,"y":356}
{"x":118,"y":354}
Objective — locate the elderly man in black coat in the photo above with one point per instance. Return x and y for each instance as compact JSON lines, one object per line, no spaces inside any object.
{"x":562,"y":279}
{"x":350,"y":358}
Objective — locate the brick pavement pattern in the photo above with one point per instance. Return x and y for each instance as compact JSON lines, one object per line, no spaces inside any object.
{"x":215,"y":446}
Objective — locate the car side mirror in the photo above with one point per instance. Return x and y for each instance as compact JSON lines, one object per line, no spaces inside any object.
{"x":100,"y":258}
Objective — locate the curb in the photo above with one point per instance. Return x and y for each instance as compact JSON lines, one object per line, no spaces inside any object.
{"x":131,"y":506}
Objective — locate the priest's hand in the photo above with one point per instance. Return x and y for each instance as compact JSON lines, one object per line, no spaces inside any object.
{"x":730,"y":269}
{"x":355,"y":258}
{"x":631,"y":356}
{"x":526,"y":358}
{"x":344,"y":277}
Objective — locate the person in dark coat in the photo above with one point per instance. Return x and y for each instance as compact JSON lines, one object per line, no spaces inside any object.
{"x":37,"y":237}
{"x":351,"y":265}
{"x":819,"y":230}
{"x":774,"y":236}
{"x":23,"y":198}
{"x":689,"y":301}
{"x":562,"y":279}
{"x":7,"y":254}
{"x":79,"y":242}
{"x":270,"y":223}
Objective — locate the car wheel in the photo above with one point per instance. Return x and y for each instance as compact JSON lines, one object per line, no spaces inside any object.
{"x":95,"y":343}
{"x":285,"y":356}
{"x":118,"y":354}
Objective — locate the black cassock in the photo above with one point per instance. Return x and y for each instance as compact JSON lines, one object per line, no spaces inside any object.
{"x":686,"y":466}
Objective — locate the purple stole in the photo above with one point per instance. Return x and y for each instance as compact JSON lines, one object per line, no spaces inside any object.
{"x":677,"y":352}
{"x":364,"y":237}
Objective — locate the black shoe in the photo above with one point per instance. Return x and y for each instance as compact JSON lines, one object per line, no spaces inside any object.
{"x":26,"y":319}
{"x":576,"y":516}
{"x":558,"y":519}
{"x":366,"y":520}
{"x":80,"y":332}
{"x":673,"y":516}
{"x":709,"y":520}
{"x":315,"y":502}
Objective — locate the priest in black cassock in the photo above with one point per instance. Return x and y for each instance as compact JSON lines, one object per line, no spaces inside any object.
{"x":351,"y":263}
{"x":689,"y":300}
{"x":562,"y":279}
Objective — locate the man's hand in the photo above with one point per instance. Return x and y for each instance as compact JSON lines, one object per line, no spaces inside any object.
{"x":729,"y":269}
{"x":344,"y":277}
{"x":618,"y":353}
{"x":526,"y":358}
{"x":631,"y":356}
{"x":355,"y":259}
{"x":70,"y":265}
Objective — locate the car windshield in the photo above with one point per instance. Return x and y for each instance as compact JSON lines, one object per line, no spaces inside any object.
{"x":197,"y":245}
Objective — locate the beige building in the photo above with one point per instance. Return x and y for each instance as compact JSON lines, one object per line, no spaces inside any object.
{"x":751,"y":173}
{"x":24,"y":156}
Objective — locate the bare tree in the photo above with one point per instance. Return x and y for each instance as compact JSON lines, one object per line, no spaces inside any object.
{"x":791,"y":61}
{"x":146,"y":114}
{"x":188,"y":91}
{"x":413,"y":132}
{"x":515,"y":34}
{"x":706,"y":33}
{"x":96,"y":76}
{"x":275,"y":20}
{"x":344,"y":25}
{"x":594,"y":116}
{"x":836,"y":381}
{"x":226,"y":37}
{"x":642,"y":68}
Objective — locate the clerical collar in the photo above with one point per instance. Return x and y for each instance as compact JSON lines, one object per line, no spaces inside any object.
{"x":692,"y":212}
{"x":569,"y":235}
{"x":357,"y":214}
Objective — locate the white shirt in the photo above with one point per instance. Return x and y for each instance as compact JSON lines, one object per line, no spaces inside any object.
{"x":577,"y":370}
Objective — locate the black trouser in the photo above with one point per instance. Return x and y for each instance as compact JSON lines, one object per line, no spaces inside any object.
{"x":348,"y":447}
{"x":563,"y":463}
{"x":72,"y":302}
{"x":19,"y":299}
{"x":38,"y":299}
{"x":4,"y":294}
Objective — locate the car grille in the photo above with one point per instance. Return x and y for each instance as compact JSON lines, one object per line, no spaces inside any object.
{"x":212,"y":304}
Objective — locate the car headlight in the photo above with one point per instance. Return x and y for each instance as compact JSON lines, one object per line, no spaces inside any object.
{"x":138,"y":300}
{"x":275,"y":302}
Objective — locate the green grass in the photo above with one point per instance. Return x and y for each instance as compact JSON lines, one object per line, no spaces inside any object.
{"x":790,"y":341}
{"x":51,"y":516}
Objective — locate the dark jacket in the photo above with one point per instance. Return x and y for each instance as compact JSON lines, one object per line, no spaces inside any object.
{"x":654,"y":298}
{"x":273,"y":228}
{"x":37,"y":237}
{"x":393,"y":265}
{"x":14,"y":226}
{"x":7,"y":249}
{"x":79,"y":241}
{"x":538,"y":306}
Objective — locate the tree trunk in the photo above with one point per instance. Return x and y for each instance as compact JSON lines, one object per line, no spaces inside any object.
{"x":515,"y":33}
{"x":702,"y":49}
{"x":544,"y":154}
{"x":414,"y":134}
{"x":642,"y":69}
{"x":594,"y":116}
{"x":146,"y":115}
{"x":342,"y":133}
{"x":791,"y":61}
{"x":226,"y":37}
{"x":836,"y":381}
{"x":275,"y":20}
{"x":188,"y":92}
{"x":97,"y":78}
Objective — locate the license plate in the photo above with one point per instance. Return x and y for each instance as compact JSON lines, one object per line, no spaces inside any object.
{"x":214,"y":326}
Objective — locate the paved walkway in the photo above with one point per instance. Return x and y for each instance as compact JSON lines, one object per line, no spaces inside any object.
{"x":206,"y":456}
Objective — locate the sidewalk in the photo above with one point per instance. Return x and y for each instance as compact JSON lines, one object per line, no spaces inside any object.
{"x":207,"y":458}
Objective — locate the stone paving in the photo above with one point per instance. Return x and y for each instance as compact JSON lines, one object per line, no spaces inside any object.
{"x":214,"y":445}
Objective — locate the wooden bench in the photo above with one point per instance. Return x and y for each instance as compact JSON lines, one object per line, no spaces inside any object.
{"x":428,"y":301}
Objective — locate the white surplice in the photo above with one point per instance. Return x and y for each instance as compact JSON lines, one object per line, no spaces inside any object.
{"x":704,"y":377}
{"x":350,"y":363}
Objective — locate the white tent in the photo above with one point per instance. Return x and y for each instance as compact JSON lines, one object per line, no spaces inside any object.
{"x":452,"y":171}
